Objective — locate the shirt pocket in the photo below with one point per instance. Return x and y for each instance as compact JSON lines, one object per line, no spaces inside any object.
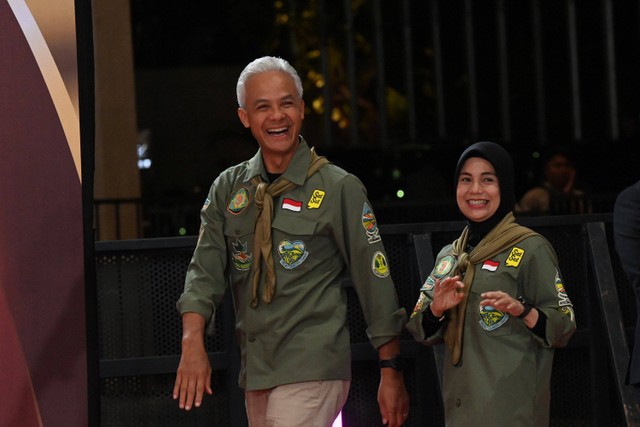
{"x":488,"y":320}
{"x":239,"y":237}
{"x":285,"y":225}
{"x":294,"y":240}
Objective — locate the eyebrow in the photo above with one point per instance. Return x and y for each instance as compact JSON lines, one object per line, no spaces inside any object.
{"x":481,"y":173}
{"x":284,"y":98}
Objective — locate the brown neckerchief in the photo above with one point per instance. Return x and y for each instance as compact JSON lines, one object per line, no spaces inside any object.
{"x":262,"y":244}
{"x":505,"y":234}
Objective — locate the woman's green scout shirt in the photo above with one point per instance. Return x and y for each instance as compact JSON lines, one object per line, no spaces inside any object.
{"x":505,"y":371}
{"x":323,"y":231}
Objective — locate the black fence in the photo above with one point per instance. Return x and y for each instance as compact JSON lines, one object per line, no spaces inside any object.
{"x":139,"y":332}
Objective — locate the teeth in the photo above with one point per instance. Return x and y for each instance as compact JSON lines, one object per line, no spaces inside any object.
{"x":280,"y":130}
{"x":477,"y":202}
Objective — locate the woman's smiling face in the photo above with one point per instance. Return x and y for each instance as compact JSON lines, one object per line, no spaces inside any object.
{"x":478,"y":190}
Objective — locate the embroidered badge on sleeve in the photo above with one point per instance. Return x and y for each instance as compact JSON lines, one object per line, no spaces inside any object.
{"x":565,"y":304}
{"x":238,"y":201}
{"x":444,"y":267}
{"x":419,"y":304}
{"x":428,"y":284}
{"x":370,"y":224}
{"x":379,"y":265}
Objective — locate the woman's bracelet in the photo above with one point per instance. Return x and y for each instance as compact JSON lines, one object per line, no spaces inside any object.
{"x":432,"y":317}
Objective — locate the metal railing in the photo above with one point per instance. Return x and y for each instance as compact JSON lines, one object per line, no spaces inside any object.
{"x":139,"y":282}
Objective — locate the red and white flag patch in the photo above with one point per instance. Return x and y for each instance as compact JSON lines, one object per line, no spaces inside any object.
{"x":490,"y":265}
{"x":291,"y":205}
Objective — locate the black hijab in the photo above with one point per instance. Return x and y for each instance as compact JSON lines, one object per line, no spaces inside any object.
{"x":503,"y":165}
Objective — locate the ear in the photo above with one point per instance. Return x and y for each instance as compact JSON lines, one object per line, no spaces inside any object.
{"x":242,"y":114}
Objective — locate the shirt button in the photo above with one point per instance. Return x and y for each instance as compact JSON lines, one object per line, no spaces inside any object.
{"x":252,"y":338}
{"x":458,"y":403}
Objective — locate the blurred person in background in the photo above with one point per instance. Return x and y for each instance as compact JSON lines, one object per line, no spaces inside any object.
{"x":626,"y":231}
{"x":559,"y":193}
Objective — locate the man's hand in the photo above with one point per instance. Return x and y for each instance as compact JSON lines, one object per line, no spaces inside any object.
{"x":193,"y":378}
{"x":393,"y":398}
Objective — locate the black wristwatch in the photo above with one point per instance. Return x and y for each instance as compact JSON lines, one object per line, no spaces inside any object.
{"x":396,"y":363}
{"x":527,"y":307}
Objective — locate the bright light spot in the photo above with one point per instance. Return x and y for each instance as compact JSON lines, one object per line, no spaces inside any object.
{"x":400,"y":194}
{"x":142,"y":149}
{"x":182,"y":231}
{"x":144,"y":163}
{"x":338,"y":421}
{"x":336,"y":114}
{"x":318,"y":105}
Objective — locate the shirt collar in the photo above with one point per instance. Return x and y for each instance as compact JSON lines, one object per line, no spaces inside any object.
{"x":296,"y":171}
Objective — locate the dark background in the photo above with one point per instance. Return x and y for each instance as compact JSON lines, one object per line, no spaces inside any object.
{"x":412,"y":83}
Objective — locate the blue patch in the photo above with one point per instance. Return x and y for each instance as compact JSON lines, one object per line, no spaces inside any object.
{"x":292,"y":254}
{"x":370,"y":224}
{"x":491,"y":318}
{"x":428,"y":284}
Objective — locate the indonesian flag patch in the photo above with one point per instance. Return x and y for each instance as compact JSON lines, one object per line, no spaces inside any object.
{"x":490,"y":265}
{"x":291,"y":205}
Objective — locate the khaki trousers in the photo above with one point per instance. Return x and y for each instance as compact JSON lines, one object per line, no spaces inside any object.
{"x":308,"y":404}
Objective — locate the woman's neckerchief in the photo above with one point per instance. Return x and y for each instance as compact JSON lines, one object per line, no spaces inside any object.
{"x":504,"y":235}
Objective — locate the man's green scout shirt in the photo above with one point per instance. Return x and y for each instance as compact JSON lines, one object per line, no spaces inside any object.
{"x":323,"y":231}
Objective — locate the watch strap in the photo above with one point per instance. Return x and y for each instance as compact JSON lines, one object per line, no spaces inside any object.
{"x":527,"y":307}
{"x":396,"y":363}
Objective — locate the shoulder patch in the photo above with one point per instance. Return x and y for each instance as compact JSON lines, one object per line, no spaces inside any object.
{"x":563,"y":298}
{"x":428,"y":284}
{"x":379,"y":265}
{"x":370,"y":224}
{"x":419,"y":304}
{"x":238,"y":201}
{"x":444,"y":267}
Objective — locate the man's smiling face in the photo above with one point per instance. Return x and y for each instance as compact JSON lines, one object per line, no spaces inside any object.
{"x":273,"y":111}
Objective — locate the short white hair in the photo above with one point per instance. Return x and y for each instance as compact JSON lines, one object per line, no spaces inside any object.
{"x":264,"y":65}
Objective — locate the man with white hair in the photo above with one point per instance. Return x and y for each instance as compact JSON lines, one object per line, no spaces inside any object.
{"x":282,"y":230}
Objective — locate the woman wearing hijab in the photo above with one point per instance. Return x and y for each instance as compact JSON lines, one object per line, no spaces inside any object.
{"x":496,"y":298}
